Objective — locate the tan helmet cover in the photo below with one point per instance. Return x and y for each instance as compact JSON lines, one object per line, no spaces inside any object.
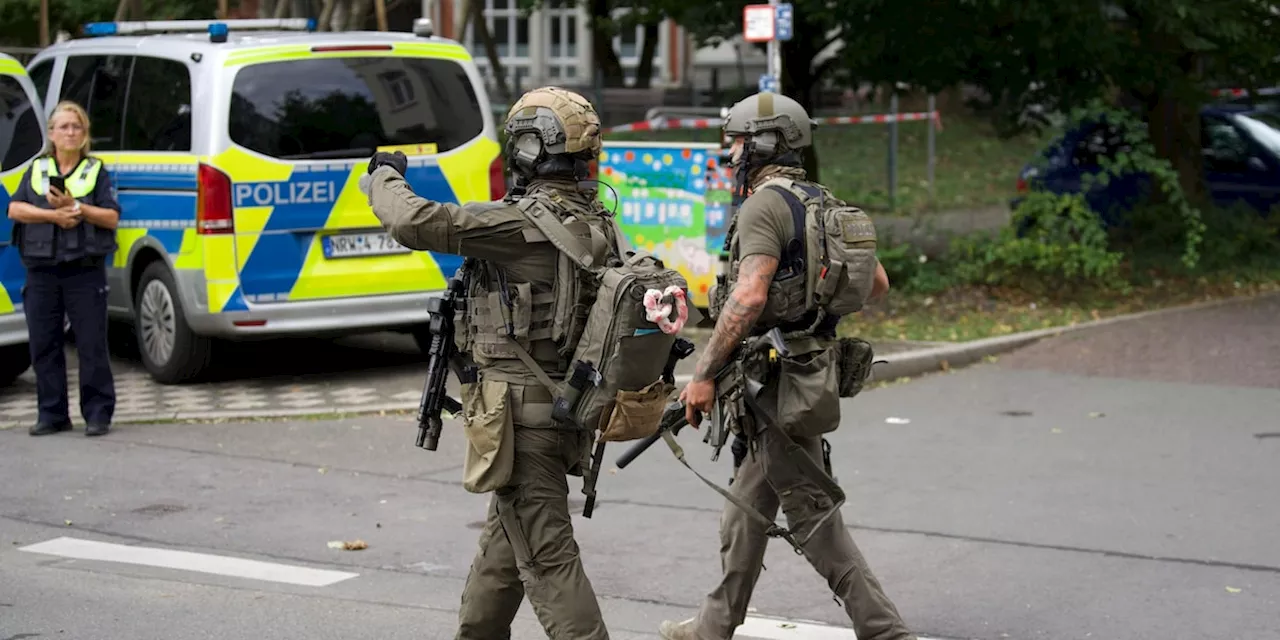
{"x":564,"y":121}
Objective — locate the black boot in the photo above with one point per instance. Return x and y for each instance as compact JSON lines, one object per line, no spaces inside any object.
{"x":96,"y":429}
{"x":44,"y":428}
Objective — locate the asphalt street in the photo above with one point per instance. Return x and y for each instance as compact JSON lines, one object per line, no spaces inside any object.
{"x":1018,"y":499}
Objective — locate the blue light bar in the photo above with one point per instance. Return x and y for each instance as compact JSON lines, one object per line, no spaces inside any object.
{"x":138,"y":27}
{"x":100,"y":29}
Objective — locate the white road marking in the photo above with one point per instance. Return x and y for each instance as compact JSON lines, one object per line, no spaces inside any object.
{"x":766,"y":628}
{"x":760,"y":628}
{"x":188,"y":561}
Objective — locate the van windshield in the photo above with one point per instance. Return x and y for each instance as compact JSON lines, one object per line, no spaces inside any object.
{"x":326,"y":108}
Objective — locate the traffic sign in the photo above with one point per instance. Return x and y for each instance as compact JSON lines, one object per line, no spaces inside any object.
{"x":758,"y":22}
{"x":785,"y":21}
{"x":768,"y":83}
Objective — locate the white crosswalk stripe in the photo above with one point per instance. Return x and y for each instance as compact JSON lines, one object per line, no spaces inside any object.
{"x":188,"y":561}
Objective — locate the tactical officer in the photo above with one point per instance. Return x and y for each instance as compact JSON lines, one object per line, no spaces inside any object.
{"x":522,"y":296}
{"x":65,"y":214}
{"x":769,"y":133}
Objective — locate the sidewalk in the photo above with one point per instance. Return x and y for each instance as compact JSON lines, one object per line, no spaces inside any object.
{"x":378,"y":372}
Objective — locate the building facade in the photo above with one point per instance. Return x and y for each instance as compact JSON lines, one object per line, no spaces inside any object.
{"x":553,"y":45}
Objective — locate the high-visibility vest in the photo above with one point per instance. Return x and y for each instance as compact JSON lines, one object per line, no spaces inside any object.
{"x":80,"y":183}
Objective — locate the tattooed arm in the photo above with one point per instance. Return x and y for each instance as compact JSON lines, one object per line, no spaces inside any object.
{"x":740,"y":312}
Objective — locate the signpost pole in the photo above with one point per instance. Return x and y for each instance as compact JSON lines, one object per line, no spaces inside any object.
{"x":771,"y":24}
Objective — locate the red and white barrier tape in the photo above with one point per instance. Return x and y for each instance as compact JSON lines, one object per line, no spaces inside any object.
{"x":712,"y":123}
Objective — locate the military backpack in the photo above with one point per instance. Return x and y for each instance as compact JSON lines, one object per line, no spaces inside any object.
{"x":628,"y":335}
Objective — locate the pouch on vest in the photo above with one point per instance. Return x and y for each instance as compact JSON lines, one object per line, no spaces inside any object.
{"x":809,"y":393}
{"x":38,"y":240}
{"x":856,"y":356}
{"x":490,"y":435}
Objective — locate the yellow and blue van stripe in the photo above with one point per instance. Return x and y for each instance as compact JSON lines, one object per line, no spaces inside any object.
{"x":12,"y":273}
{"x":281,"y":212}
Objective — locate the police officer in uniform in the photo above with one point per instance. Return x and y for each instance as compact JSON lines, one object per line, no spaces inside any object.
{"x":521,"y":291}
{"x":65,"y":236}
{"x":769,"y":133}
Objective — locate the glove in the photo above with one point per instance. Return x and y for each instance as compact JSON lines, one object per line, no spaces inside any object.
{"x":396,"y":161}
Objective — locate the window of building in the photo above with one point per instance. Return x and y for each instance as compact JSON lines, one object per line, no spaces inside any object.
{"x":511,"y":35}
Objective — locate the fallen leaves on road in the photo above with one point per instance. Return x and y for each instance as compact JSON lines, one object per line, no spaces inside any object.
{"x":1233,"y":590}
{"x":1097,"y":414}
{"x":354,"y":545}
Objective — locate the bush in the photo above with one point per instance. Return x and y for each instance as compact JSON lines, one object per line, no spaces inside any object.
{"x":911,"y":271}
{"x":1062,"y":248}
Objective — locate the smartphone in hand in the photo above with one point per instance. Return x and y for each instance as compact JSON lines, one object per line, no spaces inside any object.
{"x":59,"y":182}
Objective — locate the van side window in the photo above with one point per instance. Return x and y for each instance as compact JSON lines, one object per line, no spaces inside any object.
{"x":99,"y":84}
{"x":20,"y":138}
{"x":158,"y":115}
{"x":41,"y":75}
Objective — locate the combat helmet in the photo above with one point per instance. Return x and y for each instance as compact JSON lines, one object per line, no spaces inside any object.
{"x":551,"y":130}
{"x":776,"y":128}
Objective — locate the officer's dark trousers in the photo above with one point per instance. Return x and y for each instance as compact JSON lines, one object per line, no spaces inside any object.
{"x":79,"y":291}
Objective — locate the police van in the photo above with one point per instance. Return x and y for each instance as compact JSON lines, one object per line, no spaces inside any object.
{"x":236,"y":147}
{"x":23,"y":137}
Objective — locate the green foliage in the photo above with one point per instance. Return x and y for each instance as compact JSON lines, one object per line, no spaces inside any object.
{"x":1139,"y":157}
{"x":1063,"y":249}
{"x":911,"y":271}
{"x":20,"y":19}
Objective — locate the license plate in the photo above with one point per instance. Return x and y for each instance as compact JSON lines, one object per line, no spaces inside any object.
{"x":354,"y":245}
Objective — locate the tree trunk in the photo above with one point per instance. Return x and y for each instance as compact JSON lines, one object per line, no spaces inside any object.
{"x":1174,"y":128}
{"x":644,"y":71}
{"x":606,"y":59}
{"x":490,"y":49}
{"x":798,"y":80}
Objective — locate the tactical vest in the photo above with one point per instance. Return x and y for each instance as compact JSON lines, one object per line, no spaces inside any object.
{"x":826,"y":271}
{"x":46,"y":243}
{"x":546,"y":323}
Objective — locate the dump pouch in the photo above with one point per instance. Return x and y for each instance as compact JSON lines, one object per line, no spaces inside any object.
{"x":636,"y":414}
{"x":490,"y":435}
{"x":808,"y":393}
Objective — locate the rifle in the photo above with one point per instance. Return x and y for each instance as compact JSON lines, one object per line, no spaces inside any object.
{"x":443,"y":355}
{"x":680,"y":350}
{"x":737,"y":396}
{"x":729,"y":387}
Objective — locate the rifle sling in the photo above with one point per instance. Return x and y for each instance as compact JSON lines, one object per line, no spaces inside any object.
{"x":797,"y":455}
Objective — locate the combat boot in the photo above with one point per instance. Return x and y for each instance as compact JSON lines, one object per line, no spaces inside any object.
{"x":677,"y":630}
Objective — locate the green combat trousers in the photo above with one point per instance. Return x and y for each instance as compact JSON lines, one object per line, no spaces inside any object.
{"x":766,"y":480}
{"x":527,"y":548}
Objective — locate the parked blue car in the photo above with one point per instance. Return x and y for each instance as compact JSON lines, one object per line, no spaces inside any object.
{"x":1240,"y":145}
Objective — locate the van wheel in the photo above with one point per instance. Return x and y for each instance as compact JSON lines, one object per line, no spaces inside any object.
{"x":14,"y":359}
{"x":170,"y":351}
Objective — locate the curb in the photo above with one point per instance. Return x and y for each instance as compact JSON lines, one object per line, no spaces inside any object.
{"x":245,"y":414}
{"x":921,"y":361}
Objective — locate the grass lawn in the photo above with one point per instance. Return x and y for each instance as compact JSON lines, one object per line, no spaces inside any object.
{"x":974,"y":168}
{"x":968,"y":313}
